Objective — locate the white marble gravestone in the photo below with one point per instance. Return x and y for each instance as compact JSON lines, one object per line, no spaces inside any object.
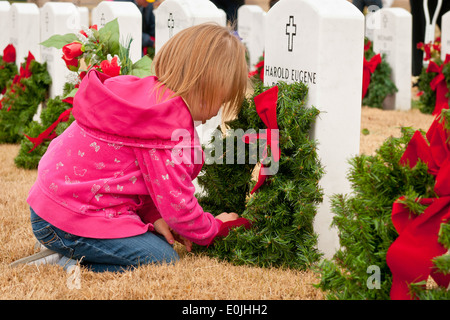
{"x":84,"y":16}
{"x":393,"y":38}
{"x":130,"y":22}
{"x":251,"y":29}
{"x":321,"y":43}
{"x":24,"y":30}
{"x":57,"y":18}
{"x":372,"y":21}
{"x":445,"y":35}
{"x":4,"y":25}
{"x":173,"y":16}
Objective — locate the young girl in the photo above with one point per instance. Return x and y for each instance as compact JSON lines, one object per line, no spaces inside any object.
{"x":111,"y":190}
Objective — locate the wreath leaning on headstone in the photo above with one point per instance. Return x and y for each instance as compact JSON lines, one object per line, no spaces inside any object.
{"x":8,"y":68}
{"x":22,"y":97}
{"x":282,"y":206}
{"x":377,"y":83}
{"x":434,"y":79}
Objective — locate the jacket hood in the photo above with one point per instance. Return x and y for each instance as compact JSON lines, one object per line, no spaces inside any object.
{"x":129,"y":107}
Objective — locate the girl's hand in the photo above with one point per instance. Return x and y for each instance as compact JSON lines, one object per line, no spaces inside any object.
{"x":225,"y":216}
{"x":163,"y":229}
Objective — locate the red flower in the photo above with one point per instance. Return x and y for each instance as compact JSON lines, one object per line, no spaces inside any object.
{"x":9,"y":54}
{"x":82,"y":75}
{"x":72,"y":64}
{"x":111,"y":68}
{"x":72,"y":50}
{"x":93,"y":27}
{"x":420,"y":45}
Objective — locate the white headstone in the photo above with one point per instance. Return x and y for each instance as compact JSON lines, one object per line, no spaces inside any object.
{"x":445,"y":35}
{"x":57,"y":18}
{"x":4,"y":26}
{"x":372,"y":21}
{"x":321,"y":43}
{"x":24,"y":29}
{"x":84,"y":16}
{"x":173,"y":16}
{"x":251,"y":29}
{"x":130,"y":22}
{"x":394,"y":38}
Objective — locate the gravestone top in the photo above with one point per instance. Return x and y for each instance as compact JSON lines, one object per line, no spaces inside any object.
{"x":445,"y":35}
{"x":130,"y":22}
{"x":251,"y":28}
{"x":173,"y":16}
{"x":4,"y":26}
{"x":394,"y":38}
{"x":24,"y":30}
{"x":57,"y":18}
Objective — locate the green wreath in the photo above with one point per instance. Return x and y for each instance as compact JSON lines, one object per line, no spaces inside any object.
{"x":8,"y":68}
{"x":282,"y":210}
{"x":22,"y":98}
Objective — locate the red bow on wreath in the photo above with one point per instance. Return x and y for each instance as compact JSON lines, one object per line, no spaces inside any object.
{"x":369,"y":68}
{"x":439,"y":85}
{"x":48,"y":134}
{"x":410,"y":255}
{"x":266,"y":107}
{"x":9,"y":54}
{"x":23,"y":74}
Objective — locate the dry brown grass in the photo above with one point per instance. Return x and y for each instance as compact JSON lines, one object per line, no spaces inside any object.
{"x":193,"y":277}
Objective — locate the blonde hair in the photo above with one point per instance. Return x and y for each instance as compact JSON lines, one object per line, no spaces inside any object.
{"x":206,"y":66}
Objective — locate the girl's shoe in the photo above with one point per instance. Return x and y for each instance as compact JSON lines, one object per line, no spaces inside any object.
{"x":45,"y":256}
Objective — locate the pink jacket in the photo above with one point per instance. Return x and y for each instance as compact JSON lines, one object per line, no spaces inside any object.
{"x":123,"y":164}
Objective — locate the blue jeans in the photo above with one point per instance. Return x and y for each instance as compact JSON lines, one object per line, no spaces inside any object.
{"x":104,"y":254}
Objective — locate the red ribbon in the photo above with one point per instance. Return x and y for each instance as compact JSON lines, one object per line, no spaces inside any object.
{"x":48,"y":134}
{"x":259,"y":68}
{"x":23,"y":74}
{"x":439,"y":85}
{"x":266,"y":107}
{"x":410,"y":255}
{"x":9,"y":54}
{"x":369,"y":68}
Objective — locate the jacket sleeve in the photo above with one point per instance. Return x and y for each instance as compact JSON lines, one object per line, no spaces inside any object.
{"x":171,"y":188}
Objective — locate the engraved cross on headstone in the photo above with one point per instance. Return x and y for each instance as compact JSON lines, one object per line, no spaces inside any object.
{"x":102,"y":20}
{"x":170,"y":25}
{"x":291,"y":31}
{"x":385,"y":21}
{"x":46,"y":22}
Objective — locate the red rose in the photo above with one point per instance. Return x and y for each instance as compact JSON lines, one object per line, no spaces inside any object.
{"x":9,"y":54}
{"x":72,"y":50}
{"x":110,"y":68}
{"x":72,"y":64}
{"x":93,"y":27}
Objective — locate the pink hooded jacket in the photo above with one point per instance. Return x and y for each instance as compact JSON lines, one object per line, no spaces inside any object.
{"x":128,"y":160}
